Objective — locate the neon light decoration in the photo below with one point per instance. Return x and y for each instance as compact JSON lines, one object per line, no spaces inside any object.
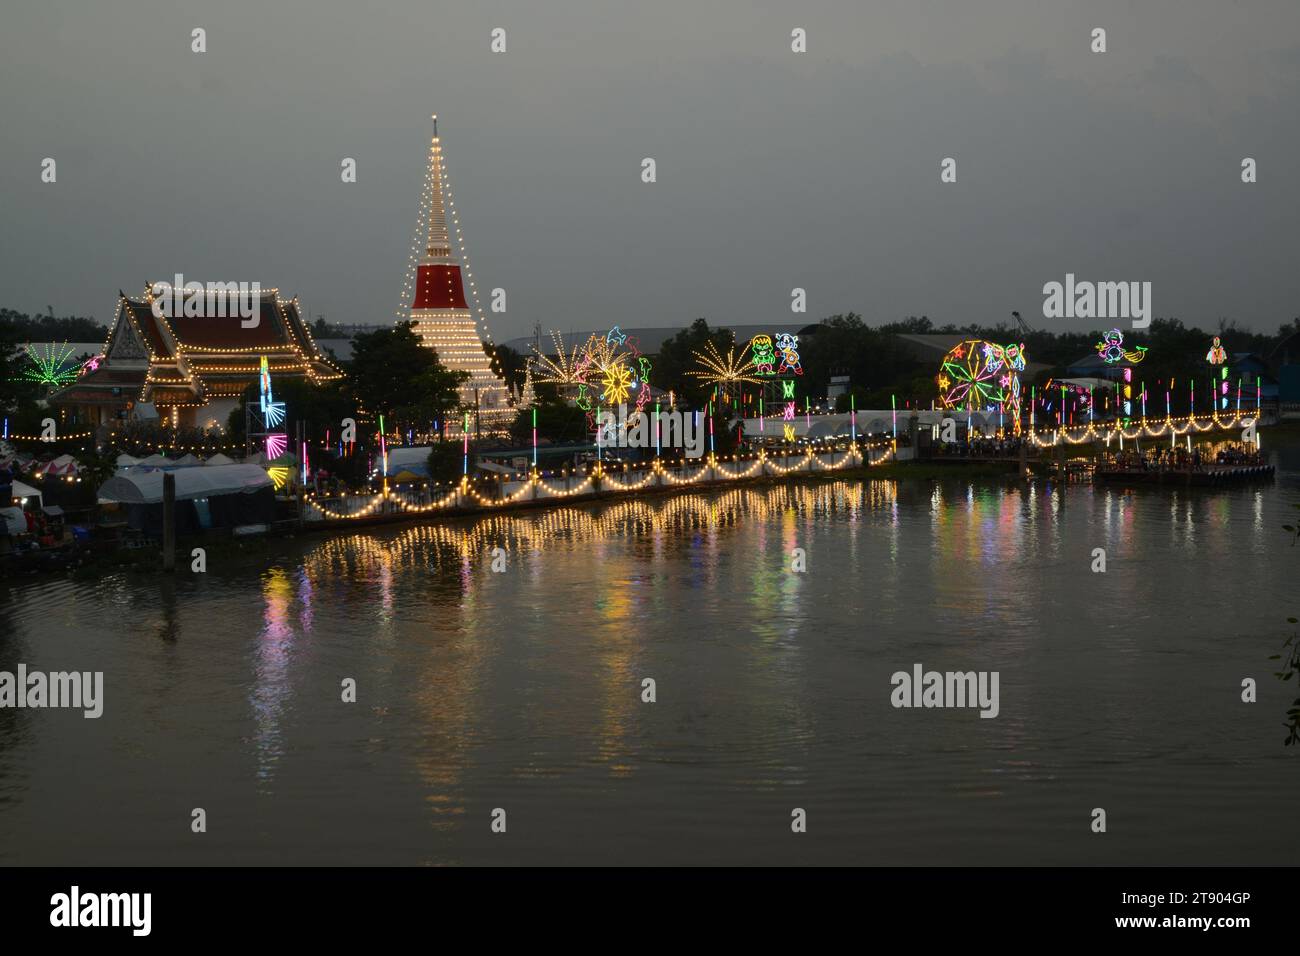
{"x":272,"y":411}
{"x":618,"y":382}
{"x":279,"y":476}
{"x":1111,"y":349}
{"x":762,"y":355}
{"x":561,"y":371}
{"x":276,"y":443}
{"x":980,"y":376}
{"x":610,"y":366}
{"x":52,"y":366}
{"x":787,"y":389}
{"x":272,"y":414}
{"x":723,"y":372}
{"x":1217,"y":354}
{"x":788,"y":345}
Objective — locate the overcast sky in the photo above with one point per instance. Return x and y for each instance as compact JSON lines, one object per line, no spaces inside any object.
{"x":775,"y":169}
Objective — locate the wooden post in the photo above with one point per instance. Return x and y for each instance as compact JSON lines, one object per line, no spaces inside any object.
{"x":169,"y":521}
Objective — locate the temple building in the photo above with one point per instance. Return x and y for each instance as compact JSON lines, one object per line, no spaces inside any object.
{"x":440,"y":312}
{"x":189,"y":370}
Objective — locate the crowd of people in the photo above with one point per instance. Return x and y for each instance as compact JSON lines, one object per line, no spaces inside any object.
{"x":1008,"y":447}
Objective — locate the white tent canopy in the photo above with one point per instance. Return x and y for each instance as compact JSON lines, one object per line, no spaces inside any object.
{"x":126,"y":461}
{"x":22,"y":490}
{"x":147,"y":487}
{"x":219,"y":459}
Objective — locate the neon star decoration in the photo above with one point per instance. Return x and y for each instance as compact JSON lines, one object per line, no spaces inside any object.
{"x":618,"y":383}
{"x":1111,"y":349}
{"x":53,"y":365}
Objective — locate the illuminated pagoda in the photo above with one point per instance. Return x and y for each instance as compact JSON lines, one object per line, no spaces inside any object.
{"x":191,"y":369}
{"x":438,"y":307}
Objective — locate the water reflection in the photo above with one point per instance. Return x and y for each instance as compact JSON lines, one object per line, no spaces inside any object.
{"x":523,"y":689}
{"x":271,"y":688}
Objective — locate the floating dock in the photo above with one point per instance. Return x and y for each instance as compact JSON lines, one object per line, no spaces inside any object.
{"x":1205,"y":476}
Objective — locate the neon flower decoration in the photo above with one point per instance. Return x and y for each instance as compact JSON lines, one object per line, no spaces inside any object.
{"x":561,"y":371}
{"x":723,"y":372}
{"x":91,"y":364}
{"x":788,"y":345}
{"x":982,"y":376}
{"x":1111,"y":349}
{"x":1217,"y":354}
{"x":51,"y":366}
{"x":762,"y":355}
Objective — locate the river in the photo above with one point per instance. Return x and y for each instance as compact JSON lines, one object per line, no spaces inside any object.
{"x":521,"y":689}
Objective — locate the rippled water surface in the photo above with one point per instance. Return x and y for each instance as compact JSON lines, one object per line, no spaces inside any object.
{"x":522,"y":690}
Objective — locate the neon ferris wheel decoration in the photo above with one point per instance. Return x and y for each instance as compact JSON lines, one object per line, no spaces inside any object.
{"x":980,"y":376}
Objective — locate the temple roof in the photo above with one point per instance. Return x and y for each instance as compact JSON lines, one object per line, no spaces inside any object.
{"x":182,"y":359}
